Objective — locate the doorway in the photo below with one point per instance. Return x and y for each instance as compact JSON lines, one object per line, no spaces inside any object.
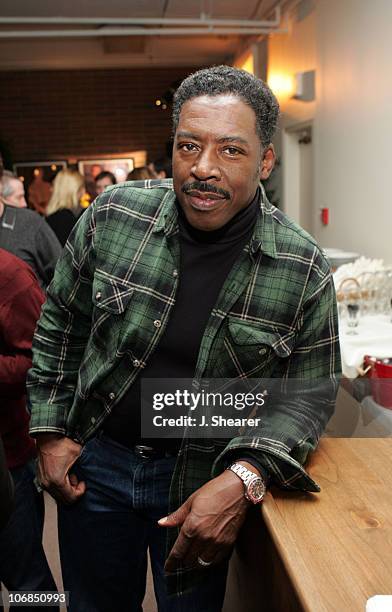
{"x":298,"y":179}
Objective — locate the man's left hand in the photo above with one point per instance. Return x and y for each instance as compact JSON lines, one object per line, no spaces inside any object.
{"x":210,"y":520}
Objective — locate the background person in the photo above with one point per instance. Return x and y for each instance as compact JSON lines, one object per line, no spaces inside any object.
{"x":26,"y":234}
{"x":39,"y":192}
{"x":162,"y":167}
{"x":141,"y":173}
{"x":104,"y":179}
{"x":6,"y":490}
{"x":23,"y":564}
{"x":64,"y":203}
{"x":6,"y":484}
{"x":12,"y":190}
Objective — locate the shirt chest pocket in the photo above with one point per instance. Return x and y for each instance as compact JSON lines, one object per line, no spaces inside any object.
{"x":256,"y":351}
{"x":110,"y":302}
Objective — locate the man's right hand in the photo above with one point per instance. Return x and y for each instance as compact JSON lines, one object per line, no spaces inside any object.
{"x":56,"y":455}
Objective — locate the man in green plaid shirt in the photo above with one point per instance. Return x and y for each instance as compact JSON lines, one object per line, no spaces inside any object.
{"x":206,"y":281}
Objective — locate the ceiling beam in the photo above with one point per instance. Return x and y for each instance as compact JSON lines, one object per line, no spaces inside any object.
{"x":138,"y":32}
{"x":145,"y":21}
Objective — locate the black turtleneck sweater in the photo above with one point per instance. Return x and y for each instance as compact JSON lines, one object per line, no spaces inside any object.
{"x":206,"y":259}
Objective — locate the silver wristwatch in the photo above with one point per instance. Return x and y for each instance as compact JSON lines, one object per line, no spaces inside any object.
{"x":254,"y":485}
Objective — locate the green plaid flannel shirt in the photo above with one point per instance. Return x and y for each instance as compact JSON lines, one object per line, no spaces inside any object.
{"x":119,"y":271}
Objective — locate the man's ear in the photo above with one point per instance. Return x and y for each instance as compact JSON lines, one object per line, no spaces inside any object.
{"x":268,"y":162}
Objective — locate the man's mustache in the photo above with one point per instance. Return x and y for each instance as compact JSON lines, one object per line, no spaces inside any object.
{"x":206,"y":188}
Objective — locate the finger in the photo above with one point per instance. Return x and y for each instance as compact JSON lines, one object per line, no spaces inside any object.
{"x":214,"y":554}
{"x":65,"y":492}
{"x":179,"y":552}
{"x":79,"y":486}
{"x":195,"y":551}
{"x":57,"y":494}
{"x":62,"y":496}
{"x":40,"y":472}
{"x":56,"y":479}
{"x":176,"y":518}
{"x":203,"y":562}
{"x":210,"y":552}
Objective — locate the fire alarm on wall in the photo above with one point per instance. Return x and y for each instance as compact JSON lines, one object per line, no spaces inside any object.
{"x":325,"y":216}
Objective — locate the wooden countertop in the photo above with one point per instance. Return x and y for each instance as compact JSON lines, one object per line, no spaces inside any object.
{"x":336,"y":546}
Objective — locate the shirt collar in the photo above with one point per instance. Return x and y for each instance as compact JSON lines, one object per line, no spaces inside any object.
{"x":263,"y":235}
{"x":167,"y":214}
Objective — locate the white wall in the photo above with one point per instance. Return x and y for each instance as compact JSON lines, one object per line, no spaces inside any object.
{"x":349,"y":44}
{"x":354,"y":124}
{"x":288,"y":54}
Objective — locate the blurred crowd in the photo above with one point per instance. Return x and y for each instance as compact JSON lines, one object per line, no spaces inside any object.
{"x":34,"y":227}
{"x":62,"y":200}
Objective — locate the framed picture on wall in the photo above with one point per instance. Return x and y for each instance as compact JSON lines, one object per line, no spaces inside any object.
{"x":46,"y":169}
{"x":37,"y":177}
{"x":119,"y":167}
{"x":90,"y":168}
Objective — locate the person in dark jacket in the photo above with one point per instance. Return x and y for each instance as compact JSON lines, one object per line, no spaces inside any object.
{"x":6,"y":485}
{"x":6,"y":490}
{"x":23,"y":564}
{"x":64,"y":204}
{"x":26,"y":234}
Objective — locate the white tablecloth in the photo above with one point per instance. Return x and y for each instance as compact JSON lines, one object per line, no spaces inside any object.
{"x":374,"y":338}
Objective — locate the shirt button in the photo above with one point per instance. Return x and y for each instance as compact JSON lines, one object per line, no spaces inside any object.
{"x":175,"y":272}
{"x":112,"y":395}
{"x":157,"y":323}
{"x":136,"y":363}
{"x":93,"y":419}
{"x":262,"y":351}
{"x":98,"y":295}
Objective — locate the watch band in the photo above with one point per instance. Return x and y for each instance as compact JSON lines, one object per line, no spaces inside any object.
{"x":255,"y":487}
{"x":243,"y":472}
{"x":254,"y":463}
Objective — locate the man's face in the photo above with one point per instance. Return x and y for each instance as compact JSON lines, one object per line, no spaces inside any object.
{"x":218,"y":159}
{"x":17,"y":197}
{"x":101,"y":185}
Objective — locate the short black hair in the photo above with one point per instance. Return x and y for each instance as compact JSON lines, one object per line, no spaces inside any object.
{"x":106,"y":174}
{"x":219,"y":80}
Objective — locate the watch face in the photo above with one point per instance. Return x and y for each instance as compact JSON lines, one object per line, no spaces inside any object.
{"x":256,"y":490}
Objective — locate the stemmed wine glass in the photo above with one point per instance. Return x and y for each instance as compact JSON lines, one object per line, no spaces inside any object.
{"x":350,"y":293}
{"x":353,"y":316}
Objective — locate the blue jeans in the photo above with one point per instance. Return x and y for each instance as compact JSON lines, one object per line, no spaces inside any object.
{"x":23,"y":564}
{"x":105,"y":535}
